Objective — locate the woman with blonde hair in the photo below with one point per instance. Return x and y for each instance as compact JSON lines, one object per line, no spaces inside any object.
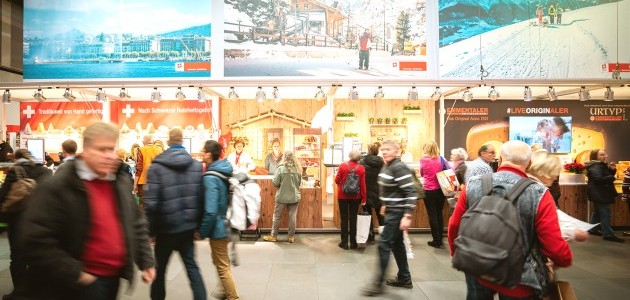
{"x":287,"y":181}
{"x":431,"y":164}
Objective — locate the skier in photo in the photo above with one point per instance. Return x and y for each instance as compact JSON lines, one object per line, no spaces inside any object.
{"x":552,"y":13}
{"x":364,"y":50}
{"x":539,"y":14}
{"x":559,"y":11}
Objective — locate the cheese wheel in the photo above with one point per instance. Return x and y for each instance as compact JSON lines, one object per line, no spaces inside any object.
{"x":584,"y":140}
{"x":493,"y":133}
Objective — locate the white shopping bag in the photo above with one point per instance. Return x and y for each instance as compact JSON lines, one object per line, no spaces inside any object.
{"x":408,"y":246}
{"x":363,"y":227}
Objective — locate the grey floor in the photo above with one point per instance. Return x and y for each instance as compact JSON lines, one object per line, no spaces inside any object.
{"x":315,"y":268}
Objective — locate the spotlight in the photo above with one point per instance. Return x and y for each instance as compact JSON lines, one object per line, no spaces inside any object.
{"x":551,"y":93}
{"x":232,"y":95}
{"x":201,"y":95}
{"x":6,"y":97}
{"x":100,"y":95}
{"x":39,"y":96}
{"x":527,"y":95}
{"x":493,"y":94}
{"x":261,"y":96}
{"x":412,"y":95}
{"x":320,"y":95}
{"x":379,"y":95}
{"x":156,"y":96}
{"x":609,"y":94}
{"x":179,"y":95}
{"x":68,"y":95}
{"x":124,"y":96}
{"x":353,"y":94}
{"x":584,"y":94}
{"x":467,"y":96}
{"x":437,"y":94}
{"x":276,"y":94}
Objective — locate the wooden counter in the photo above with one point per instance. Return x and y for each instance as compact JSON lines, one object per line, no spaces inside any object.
{"x":574,"y":202}
{"x":309,"y":210}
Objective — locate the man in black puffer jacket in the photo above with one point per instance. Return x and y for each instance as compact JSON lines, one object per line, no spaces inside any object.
{"x":173,"y":207}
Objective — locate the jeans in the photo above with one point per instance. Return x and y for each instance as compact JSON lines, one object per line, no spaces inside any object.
{"x":434,"y":202}
{"x":392,"y":240}
{"x":104,"y":288}
{"x":348,"y":210}
{"x":183,"y":243}
{"x":602,"y":215}
{"x":277,"y":217}
{"x":364,"y":58}
{"x":221,"y":261}
{"x":476,"y":291}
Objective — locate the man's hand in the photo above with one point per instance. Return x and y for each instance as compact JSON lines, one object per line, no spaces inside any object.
{"x":405,"y":222}
{"x":86,"y":279}
{"x":253,"y":226}
{"x":148,"y":275}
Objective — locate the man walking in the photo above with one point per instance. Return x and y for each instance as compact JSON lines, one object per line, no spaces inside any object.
{"x":173,"y":207}
{"x":82,"y":230}
{"x":398,"y":195}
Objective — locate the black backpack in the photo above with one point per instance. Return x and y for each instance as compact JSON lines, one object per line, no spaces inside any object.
{"x":351,"y":186}
{"x":490,"y":244}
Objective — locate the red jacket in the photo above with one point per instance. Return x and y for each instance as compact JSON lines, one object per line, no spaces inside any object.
{"x":340,"y":179}
{"x":547,"y":230}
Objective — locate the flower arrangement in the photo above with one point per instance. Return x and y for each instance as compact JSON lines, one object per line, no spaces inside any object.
{"x":574,"y":167}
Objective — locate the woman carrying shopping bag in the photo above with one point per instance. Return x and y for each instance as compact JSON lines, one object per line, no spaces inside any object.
{"x":351,"y":191}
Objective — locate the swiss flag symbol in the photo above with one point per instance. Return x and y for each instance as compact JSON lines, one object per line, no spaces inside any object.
{"x":179,"y":66}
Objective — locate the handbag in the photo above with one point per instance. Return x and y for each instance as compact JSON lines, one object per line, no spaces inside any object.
{"x":363,"y":225}
{"x":448,"y":182}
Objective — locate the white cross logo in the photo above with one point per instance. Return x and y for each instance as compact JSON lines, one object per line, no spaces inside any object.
{"x":28,"y":112}
{"x":128,"y":111}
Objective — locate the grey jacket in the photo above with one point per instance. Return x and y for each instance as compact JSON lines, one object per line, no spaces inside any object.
{"x":287,"y":181}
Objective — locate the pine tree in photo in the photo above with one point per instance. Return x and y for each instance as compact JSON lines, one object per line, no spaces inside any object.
{"x":403,"y":27}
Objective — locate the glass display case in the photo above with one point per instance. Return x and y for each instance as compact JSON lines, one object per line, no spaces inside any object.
{"x":307,"y":149}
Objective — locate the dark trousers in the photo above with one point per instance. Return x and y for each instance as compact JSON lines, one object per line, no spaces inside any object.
{"x":392,"y":241}
{"x":140,"y":194}
{"x":551,"y":19}
{"x":374,"y":205}
{"x":559,"y":19}
{"x":364,"y":59}
{"x":602,"y":215}
{"x":104,"y":288}
{"x":17,"y":266}
{"x":183,"y":243}
{"x":476,"y":291}
{"x":348,"y":210}
{"x":434,"y":202}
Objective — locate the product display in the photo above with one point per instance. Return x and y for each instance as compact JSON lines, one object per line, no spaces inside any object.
{"x":307,"y":149}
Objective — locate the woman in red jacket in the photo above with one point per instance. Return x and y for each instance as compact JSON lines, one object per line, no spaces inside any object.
{"x":349,"y":203}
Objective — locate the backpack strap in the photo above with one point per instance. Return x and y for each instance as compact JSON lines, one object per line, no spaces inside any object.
{"x":217,"y":174}
{"x":518,"y":188}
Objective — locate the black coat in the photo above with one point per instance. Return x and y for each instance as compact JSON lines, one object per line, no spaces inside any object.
{"x":373,"y":165}
{"x":600,"y":187}
{"x":55,"y":229}
{"x":33,"y":170}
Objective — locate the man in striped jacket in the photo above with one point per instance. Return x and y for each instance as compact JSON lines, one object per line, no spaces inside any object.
{"x":398,"y":194}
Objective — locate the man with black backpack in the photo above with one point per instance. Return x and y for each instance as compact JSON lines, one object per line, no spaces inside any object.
{"x":501,"y":246}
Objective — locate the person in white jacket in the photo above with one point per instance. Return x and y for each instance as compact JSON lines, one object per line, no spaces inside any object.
{"x":241,"y":161}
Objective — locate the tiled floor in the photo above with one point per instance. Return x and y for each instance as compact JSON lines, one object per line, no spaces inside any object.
{"x":315,"y":268}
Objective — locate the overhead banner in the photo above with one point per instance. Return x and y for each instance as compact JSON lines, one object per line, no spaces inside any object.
{"x":116,"y":39}
{"x":569,"y":128}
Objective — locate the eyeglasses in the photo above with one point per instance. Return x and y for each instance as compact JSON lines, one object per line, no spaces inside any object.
{"x":491,"y":152}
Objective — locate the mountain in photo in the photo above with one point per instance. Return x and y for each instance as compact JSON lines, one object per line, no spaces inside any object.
{"x":201,"y":30}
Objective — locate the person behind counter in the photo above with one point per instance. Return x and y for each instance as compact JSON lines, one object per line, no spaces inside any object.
{"x":241,"y":161}
{"x":273,"y":158}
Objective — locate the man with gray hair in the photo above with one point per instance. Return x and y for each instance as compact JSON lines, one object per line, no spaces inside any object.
{"x":538,"y":218}
{"x":481,"y":165}
{"x":172,"y":203}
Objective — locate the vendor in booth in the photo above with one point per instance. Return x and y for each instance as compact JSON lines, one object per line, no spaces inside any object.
{"x":241,"y":161}
{"x":273,"y":158}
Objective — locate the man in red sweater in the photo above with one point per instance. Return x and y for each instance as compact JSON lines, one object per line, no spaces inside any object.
{"x":514,"y":160}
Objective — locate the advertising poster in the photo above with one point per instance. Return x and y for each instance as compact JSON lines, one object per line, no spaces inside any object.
{"x":569,"y":128}
{"x":325,"y":38}
{"x":128,"y":39}
{"x":533,"y":39}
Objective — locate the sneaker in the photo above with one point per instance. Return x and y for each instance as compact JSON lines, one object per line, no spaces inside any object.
{"x":397,"y":283}
{"x":270,"y":238}
{"x":360,"y":68}
{"x":614,"y":239}
{"x":291,"y":239}
{"x":372,"y":290}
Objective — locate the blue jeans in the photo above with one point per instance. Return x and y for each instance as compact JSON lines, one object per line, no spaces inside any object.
{"x":392,"y":240}
{"x":602,"y":215}
{"x":476,"y":291}
{"x":183,"y":243}
{"x":104,"y":288}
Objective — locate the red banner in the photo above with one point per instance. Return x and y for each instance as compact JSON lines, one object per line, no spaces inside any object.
{"x":40,"y":118}
{"x":146,"y":116}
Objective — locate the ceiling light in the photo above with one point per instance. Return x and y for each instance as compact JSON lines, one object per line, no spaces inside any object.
{"x":353,"y":94}
{"x":276,"y":94}
{"x":412,"y":95}
{"x":39,"y":96}
{"x":100,"y":95}
{"x":493,"y":94}
{"x":551,"y":93}
{"x":609,"y":94}
{"x":261,"y":96}
{"x":124,"y":96}
{"x":156,"y":96}
{"x":467,"y":95}
{"x":320,"y":95}
{"x":201,"y":95}
{"x":6,"y":97}
{"x":437,"y":94}
{"x":232,"y":95}
{"x":379,"y":95}
{"x":68,"y":95}
{"x":179,"y":95}
{"x":527,"y":94}
{"x":584,"y":94}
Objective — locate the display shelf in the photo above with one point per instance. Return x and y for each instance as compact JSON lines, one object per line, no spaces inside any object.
{"x":307,"y":141}
{"x":345,"y":119}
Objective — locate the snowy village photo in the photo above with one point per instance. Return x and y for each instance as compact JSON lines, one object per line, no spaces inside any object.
{"x":325,"y":38}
